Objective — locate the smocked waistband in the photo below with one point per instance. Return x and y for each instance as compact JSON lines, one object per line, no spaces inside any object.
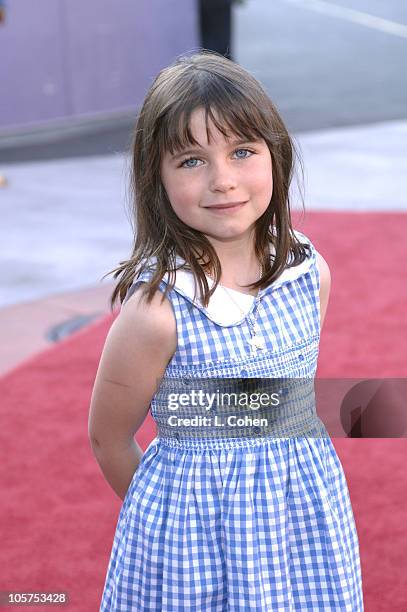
{"x":233,"y":409}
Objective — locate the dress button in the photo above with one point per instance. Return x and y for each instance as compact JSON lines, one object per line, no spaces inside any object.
{"x":243,"y":372}
{"x":256,"y":430}
{"x":186,"y":380}
{"x":301,"y":357}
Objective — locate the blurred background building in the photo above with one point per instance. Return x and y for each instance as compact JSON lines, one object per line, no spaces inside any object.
{"x":71,"y":59}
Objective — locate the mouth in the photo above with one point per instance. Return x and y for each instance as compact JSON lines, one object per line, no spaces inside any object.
{"x":226,"y":206}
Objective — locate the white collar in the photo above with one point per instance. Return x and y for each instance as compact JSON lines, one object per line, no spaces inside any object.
{"x":221,"y":308}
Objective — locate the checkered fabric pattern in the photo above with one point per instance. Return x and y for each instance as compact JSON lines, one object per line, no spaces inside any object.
{"x":257,"y":523}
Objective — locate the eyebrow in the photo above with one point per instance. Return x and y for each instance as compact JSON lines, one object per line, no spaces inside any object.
{"x":198,"y":149}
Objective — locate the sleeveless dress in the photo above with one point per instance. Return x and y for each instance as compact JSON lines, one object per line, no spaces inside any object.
{"x":256,"y":518}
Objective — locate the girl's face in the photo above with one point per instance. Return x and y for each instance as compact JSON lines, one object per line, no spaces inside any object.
{"x":222,"y":172}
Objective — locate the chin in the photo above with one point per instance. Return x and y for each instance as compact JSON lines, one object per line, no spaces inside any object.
{"x":227,"y":236}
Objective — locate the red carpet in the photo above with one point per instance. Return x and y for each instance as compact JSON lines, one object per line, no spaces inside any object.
{"x":58,"y":513}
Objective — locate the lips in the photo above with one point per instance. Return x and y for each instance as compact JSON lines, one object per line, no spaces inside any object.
{"x":225,"y":205}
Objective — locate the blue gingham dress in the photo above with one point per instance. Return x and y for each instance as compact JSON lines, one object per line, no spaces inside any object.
{"x":254,"y":522}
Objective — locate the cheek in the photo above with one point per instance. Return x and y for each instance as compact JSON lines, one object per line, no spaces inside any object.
{"x":181,"y":192}
{"x":181,"y":195}
{"x":261,"y":180}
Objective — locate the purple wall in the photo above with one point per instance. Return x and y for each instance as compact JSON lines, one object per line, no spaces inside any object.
{"x":70,"y":58}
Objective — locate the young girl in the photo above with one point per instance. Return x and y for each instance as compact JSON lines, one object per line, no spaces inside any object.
{"x":222,"y":512}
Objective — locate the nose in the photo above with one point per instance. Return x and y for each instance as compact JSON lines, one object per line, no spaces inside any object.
{"x":222,"y":177}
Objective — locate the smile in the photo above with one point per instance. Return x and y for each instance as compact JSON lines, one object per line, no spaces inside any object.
{"x":226,"y":208}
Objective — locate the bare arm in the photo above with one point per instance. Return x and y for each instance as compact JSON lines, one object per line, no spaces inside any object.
{"x":138,"y":347}
{"x":325,"y":286}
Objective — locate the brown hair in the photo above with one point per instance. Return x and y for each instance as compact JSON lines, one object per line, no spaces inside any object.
{"x":237,"y":104}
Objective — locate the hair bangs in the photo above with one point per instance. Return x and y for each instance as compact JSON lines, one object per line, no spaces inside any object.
{"x":228,"y":109}
{"x":225,"y":106}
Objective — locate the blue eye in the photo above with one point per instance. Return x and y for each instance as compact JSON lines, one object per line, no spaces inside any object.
{"x":192,"y":162}
{"x":244,"y":151}
{"x":185,"y":163}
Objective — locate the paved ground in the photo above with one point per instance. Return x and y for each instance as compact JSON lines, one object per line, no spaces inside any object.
{"x":334,"y":73}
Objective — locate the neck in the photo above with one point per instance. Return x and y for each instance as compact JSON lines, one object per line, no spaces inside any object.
{"x":239,"y":271}
{"x":236,"y":256}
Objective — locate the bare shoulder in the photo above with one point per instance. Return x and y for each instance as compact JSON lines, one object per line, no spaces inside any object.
{"x":324,"y":271}
{"x":324,"y":286}
{"x":152,"y":324}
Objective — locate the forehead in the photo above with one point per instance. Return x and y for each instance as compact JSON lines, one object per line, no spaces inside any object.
{"x":205,"y":130}
{"x":204,"y":126}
